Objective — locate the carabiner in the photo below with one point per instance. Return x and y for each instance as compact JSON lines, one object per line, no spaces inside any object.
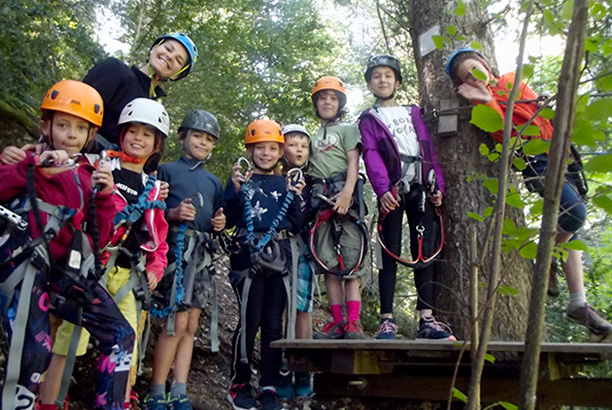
{"x":420,"y":229}
{"x":245,"y":165}
{"x":198,"y":196}
{"x":294,"y":179}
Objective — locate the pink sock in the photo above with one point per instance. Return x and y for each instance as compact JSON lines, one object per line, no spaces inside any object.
{"x":126,"y":405}
{"x":47,"y":407}
{"x":352,"y":310}
{"x":337,"y":313}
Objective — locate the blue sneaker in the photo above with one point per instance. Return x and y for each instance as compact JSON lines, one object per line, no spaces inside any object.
{"x":284,"y":388}
{"x":431,"y":329}
{"x":155,"y":403}
{"x":181,"y":402}
{"x":241,"y":397}
{"x":303,"y":385}
{"x":387,"y":330}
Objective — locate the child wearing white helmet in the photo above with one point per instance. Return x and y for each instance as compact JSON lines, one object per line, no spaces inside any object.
{"x":135,"y":258}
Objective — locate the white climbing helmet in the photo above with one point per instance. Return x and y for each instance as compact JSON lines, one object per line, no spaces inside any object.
{"x":146,"y":111}
{"x":289,"y":128}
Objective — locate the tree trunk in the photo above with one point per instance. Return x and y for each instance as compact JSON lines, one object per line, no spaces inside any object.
{"x":462,"y":164}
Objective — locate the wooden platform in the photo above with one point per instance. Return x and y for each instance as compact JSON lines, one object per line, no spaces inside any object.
{"x":423,"y":370}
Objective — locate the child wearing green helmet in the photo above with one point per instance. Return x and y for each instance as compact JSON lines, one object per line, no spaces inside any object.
{"x":195,"y":213}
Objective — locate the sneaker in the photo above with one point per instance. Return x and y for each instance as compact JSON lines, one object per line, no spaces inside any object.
{"x":587,"y":316}
{"x":353,"y":330}
{"x":332,"y":330}
{"x":268,"y":400}
{"x":387,"y":330}
{"x":303,"y":385}
{"x":553,"y":280}
{"x":431,"y":329}
{"x":241,"y":397}
{"x":284,"y":388}
{"x":156,"y":402}
{"x":181,"y":402}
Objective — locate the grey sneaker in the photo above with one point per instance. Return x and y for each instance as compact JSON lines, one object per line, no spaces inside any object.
{"x":587,"y":316}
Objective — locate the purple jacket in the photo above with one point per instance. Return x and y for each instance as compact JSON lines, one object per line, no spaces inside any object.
{"x":381,"y":154}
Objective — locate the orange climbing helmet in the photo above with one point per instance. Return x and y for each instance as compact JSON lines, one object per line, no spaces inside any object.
{"x":263,"y":130}
{"x":75,"y":98}
{"x":329,"y":83}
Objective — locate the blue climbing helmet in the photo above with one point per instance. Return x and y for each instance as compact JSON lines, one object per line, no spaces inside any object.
{"x":189,"y":45}
{"x":459,"y":51}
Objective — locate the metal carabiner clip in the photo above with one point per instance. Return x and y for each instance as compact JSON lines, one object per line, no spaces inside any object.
{"x":197,"y":200}
{"x":245,"y":165}
{"x":420,"y":229}
{"x":294,"y":175}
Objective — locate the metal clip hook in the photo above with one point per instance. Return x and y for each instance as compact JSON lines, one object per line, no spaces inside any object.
{"x":294,"y":175}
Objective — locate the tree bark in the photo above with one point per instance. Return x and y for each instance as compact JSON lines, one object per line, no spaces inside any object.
{"x":565,"y":113}
{"x":462,"y":164}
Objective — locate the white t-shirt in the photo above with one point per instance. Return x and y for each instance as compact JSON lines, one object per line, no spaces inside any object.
{"x":399,"y":123}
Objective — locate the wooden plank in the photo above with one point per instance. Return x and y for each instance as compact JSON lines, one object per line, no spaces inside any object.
{"x":577,"y":392}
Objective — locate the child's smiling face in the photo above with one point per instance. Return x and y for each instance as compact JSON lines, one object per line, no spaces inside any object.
{"x":382,"y":82}
{"x":138,"y":140}
{"x":328,"y":104}
{"x":465,"y":72}
{"x":199,"y":145}
{"x":297,"y":148}
{"x":266,"y":154}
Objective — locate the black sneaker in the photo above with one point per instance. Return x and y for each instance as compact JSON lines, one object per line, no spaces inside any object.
{"x":268,"y":400}
{"x":387,"y":329}
{"x":587,"y":316}
{"x":241,"y":397}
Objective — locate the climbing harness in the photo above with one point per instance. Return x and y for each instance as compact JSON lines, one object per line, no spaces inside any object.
{"x":266,"y":254}
{"x":421,"y":260}
{"x":329,"y":214}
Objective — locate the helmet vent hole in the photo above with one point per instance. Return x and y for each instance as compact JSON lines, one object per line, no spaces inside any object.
{"x":97,"y":108}
{"x":54,"y":94}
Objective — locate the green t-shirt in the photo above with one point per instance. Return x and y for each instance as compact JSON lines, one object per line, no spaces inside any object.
{"x":330,"y":147}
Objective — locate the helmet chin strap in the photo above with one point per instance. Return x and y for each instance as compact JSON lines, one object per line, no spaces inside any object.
{"x":387,"y":98}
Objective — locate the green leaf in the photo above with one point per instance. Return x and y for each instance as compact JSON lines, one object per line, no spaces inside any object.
{"x":519,"y":163}
{"x":488,"y":211}
{"x":438,"y":41}
{"x":529,"y":251}
{"x":599,"y":163}
{"x":527,"y":70}
{"x":547,"y":113}
{"x":590,"y":45}
{"x":598,"y":11}
{"x":508,"y":406}
{"x":576,"y":244}
{"x":494,"y":156}
{"x":604,"y":202}
{"x":507,"y":291}
{"x":584,"y":132}
{"x":600,"y":109}
{"x":474,"y":215}
{"x":457,"y":394}
{"x":476,"y":45}
{"x":451,"y":30}
{"x":489,"y":358}
{"x":531,"y":131}
{"x":515,"y":201}
{"x":537,"y":207}
{"x":492,"y":184}
{"x":460,"y":9}
{"x":484,"y":150}
{"x":480,"y":75}
{"x":486,"y":118}
{"x":536,"y":147}
{"x":567,"y":10}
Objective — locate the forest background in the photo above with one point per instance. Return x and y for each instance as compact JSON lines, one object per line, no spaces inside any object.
{"x":261,"y":57}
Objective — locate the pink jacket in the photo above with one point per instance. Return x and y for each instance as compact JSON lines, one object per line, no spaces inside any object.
{"x":156,"y":247}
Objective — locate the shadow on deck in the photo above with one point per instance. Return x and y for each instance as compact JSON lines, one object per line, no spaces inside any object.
{"x":411,"y":369}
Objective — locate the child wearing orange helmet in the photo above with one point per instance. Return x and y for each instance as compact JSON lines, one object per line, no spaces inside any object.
{"x":337,"y":241}
{"x":265,"y":208}
{"x":66,"y":230}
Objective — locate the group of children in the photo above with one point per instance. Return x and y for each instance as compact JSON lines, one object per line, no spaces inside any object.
{"x":102,"y":231}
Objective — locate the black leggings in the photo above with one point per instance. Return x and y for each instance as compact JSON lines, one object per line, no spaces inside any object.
{"x":412,"y":204}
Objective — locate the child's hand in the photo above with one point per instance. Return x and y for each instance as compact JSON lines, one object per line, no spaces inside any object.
{"x":238,"y":178}
{"x":184,"y":212}
{"x":343,"y":202}
{"x":12,"y":155}
{"x":102,"y":178}
{"x":298,"y":187}
{"x":218,"y":221}
{"x":478,"y":92}
{"x":152,"y":280}
{"x":164,"y":190}
{"x":57,"y":158}
{"x":388,"y":202}
{"x":436,"y":198}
